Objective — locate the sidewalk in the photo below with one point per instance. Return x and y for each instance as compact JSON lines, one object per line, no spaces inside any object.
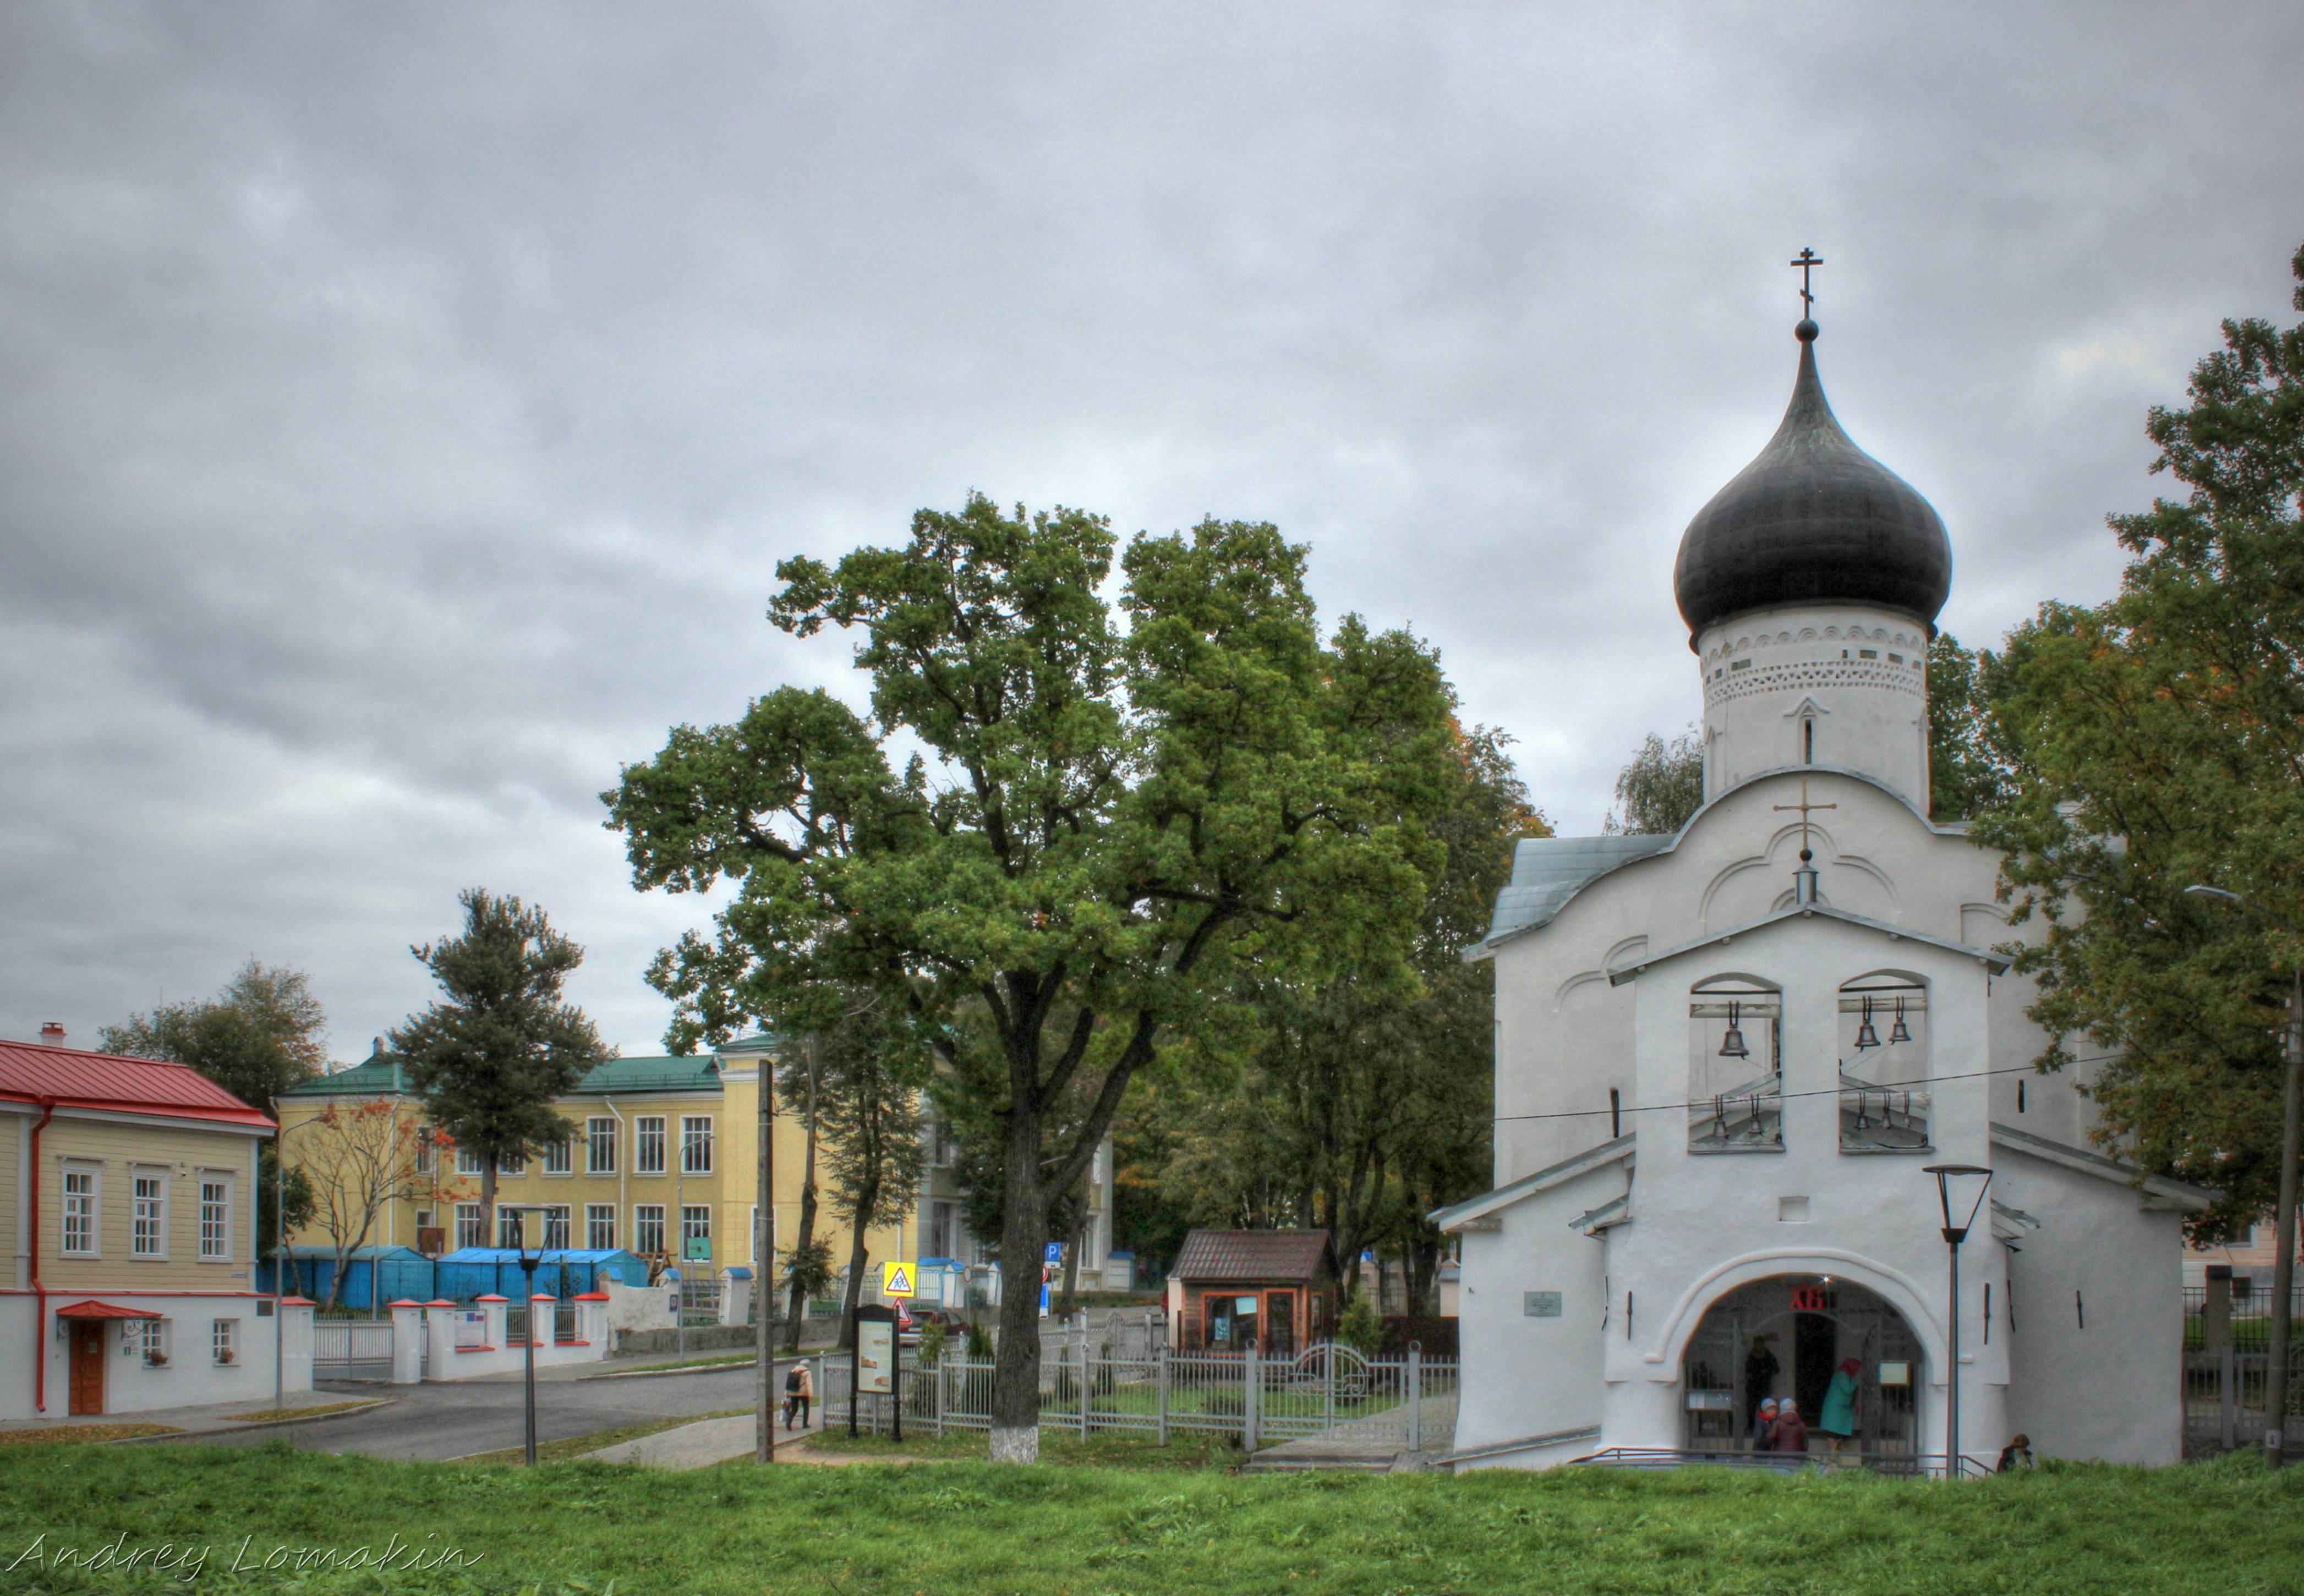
{"x":709,"y":1441}
{"x":207,"y":1418}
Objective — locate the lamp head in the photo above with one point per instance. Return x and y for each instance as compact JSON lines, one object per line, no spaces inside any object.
{"x":1959,"y":1192}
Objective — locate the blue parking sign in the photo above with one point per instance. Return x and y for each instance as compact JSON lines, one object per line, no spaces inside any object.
{"x":1055,"y":1251}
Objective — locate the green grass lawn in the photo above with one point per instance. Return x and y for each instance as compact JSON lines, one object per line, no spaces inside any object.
{"x":1070,"y":1529}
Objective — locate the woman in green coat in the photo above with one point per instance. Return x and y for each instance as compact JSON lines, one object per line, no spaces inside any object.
{"x":1836,"y":1422}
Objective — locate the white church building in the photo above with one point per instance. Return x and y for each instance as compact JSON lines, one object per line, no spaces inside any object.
{"x":1726,"y":1059}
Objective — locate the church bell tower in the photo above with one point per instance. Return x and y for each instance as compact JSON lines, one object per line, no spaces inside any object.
{"x":1810,"y":585}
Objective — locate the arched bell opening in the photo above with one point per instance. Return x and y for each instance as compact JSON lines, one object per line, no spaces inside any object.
{"x":1884,"y":1102}
{"x":1786,"y":1335}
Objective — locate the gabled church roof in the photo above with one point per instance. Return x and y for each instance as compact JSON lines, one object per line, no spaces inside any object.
{"x":1549,"y":871}
{"x":1990,"y":961}
{"x":1465,"y":1213}
{"x":2178,"y":1194}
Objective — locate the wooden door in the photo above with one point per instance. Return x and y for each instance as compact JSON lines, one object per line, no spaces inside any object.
{"x":87,"y":1366}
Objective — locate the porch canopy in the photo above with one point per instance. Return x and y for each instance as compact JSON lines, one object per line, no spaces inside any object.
{"x":92,"y":1309}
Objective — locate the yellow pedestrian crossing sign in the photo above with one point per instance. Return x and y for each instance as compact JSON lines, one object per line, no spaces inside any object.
{"x":895,"y":1280}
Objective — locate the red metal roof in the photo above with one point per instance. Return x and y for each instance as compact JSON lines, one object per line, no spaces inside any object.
{"x":92,"y":1309}
{"x":1250,"y":1254}
{"x":30,"y":1072}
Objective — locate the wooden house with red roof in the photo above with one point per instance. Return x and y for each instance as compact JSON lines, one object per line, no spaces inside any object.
{"x":1234,"y":1289}
{"x":128,"y":1188}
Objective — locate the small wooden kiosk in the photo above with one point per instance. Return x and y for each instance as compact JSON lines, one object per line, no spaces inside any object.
{"x":1234,"y":1289}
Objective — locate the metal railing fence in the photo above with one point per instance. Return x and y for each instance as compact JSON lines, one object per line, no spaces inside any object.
{"x":1325,"y":1391}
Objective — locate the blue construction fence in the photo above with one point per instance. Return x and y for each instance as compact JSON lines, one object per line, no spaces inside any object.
{"x":377,"y":1275}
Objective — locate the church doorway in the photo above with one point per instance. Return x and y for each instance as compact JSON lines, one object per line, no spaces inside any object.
{"x":1786,"y":1336}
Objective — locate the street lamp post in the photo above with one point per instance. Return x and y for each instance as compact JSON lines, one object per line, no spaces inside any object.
{"x":764,"y":1259}
{"x":2291,"y":1148}
{"x":1951,"y":1191}
{"x":527,"y":1341}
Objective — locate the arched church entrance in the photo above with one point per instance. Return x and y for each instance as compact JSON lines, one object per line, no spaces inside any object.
{"x":1786,"y":1335}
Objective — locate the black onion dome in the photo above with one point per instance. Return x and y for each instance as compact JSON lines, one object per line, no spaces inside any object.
{"x":1813,"y":518}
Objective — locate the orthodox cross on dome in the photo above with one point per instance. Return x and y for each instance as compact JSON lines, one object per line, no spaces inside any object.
{"x":1808,"y":261}
{"x":1804,"y":806}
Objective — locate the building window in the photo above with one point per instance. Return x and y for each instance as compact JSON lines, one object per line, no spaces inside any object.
{"x":215,"y":1218}
{"x":146,"y":1339}
{"x":940,"y":1231}
{"x":695,"y":1226}
{"x":423,"y":1218}
{"x":696,"y":1144}
{"x":80,"y":1231}
{"x":647,"y":1228}
{"x":512,"y":1166}
{"x":424,"y":1149}
{"x":467,"y":1163}
{"x":1736,"y":1068}
{"x":469,"y":1226}
{"x":223,"y":1340}
{"x":559,"y":1157}
{"x":600,"y":1227}
{"x":149,"y":1236}
{"x":556,"y":1229}
{"x":600,"y":1146}
{"x":649,"y":1135}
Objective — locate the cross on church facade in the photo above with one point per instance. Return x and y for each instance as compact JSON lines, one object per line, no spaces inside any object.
{"x":1804,"y":806}
{"x":1808,"y":261}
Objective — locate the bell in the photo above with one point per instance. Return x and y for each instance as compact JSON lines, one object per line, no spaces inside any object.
{"x":1866,"y":1036}
{"x":1732,"y":1046}
{"x":1900,"y":1031}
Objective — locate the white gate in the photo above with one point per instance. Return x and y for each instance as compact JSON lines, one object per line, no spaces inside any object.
{"x":351,"y":1349}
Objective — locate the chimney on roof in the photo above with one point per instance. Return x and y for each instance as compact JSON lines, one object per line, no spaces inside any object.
{"x":53,"y":1034}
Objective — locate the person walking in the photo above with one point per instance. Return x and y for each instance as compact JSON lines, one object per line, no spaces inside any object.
{"x":802,"y":1383}
{"x":792,"y":1378}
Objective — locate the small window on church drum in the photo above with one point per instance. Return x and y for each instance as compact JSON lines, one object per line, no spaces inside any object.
{"x":1736,"y":1068}
{"x":1884,"y":1065}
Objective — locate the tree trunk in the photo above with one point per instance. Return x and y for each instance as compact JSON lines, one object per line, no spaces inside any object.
{"x":1023,"y":1244}
{"x":806,"y":1209}
{"x":1070,"y":1302}
{"x":488,"y":1202}
{"x":867,"y":1203}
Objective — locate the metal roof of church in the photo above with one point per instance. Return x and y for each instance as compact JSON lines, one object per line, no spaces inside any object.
{"x":34,"y":1072}
{"x":1548,"y":871}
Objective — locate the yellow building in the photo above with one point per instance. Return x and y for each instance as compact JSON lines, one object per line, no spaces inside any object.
{"x":661,"y":1159}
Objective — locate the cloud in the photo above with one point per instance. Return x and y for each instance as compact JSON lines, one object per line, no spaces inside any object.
{"x":407,"y":407}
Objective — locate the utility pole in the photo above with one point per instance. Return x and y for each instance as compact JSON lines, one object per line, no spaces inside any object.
{"x":2284,"y":1272}
{"x":764,"y":1259}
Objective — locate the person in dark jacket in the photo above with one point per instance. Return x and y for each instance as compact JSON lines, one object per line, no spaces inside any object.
{"x":1760,"y":1367}
{"x":2017,"y":1454}
{"x":1791,"y":1433}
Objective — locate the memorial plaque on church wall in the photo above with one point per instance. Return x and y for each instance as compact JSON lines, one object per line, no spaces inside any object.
{"x":1540,"y":1305}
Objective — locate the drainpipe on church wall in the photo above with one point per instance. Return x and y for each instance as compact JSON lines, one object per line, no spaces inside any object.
{"x":40,"y":1292}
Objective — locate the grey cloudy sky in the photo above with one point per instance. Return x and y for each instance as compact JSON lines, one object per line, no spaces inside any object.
{"x":402,"y":407}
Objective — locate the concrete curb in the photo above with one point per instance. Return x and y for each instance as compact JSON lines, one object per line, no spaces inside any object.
{"x":239,"y":1429}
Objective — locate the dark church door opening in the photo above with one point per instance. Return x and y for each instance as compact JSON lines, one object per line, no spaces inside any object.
{"x":1788,"y":1337}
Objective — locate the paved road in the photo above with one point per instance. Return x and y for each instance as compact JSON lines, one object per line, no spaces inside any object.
{"x":457,"y":1418}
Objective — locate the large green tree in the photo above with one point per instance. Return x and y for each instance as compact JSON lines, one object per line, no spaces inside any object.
{"x":490,"y":1060}
{"x":1661,"y":787}
{"x":264,"y":1033}
{"x":1356,"y":1107}
{"x":2159,"y":742}
{"x":1111,"y":806}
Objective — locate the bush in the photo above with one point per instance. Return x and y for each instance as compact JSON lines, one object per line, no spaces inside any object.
{"x":932,"y":1337}
{"x":980,"y":1344}
{"x":1358,"y":1328}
